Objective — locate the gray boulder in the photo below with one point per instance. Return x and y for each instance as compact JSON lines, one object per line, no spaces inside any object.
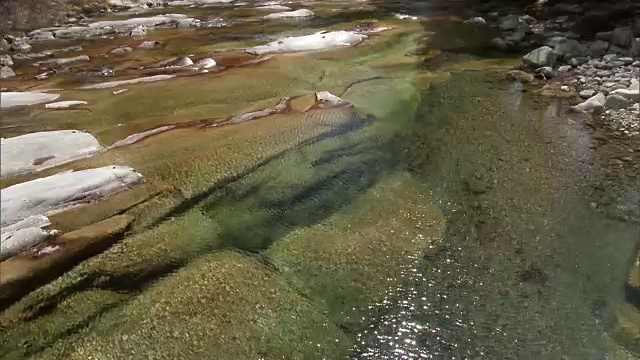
{"x":609,"y":57}
{"x":41,"y":36}
{"x":149,"y":45}
{"x":617,"y":102}
{"x":622,"y":36}
{"x":575,"y":62}
{"x":6,"y":72}
{"x":509,"y":22}
{"x":568,"y":48}
{"x":4,"y":45}
{"x":540,"y":57}
{"x":565,"y":69}
{"x":598,"y":48}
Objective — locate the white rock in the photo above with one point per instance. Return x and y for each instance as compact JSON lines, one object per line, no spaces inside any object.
{"x":594,"y":104}
{"x":319,"y":41}
{"x":329,"y":98}
{"x":38,"y":221}
{"x":291,"y":14}
{"x":540,"y":57}
{"x":19,"y":154}
{"x":63,"y":190}
{"x":14,"y":242}
{"x":206,"y":63}
{"x":635,"y":85}
{"x":148,"y":45}
{"x":111,"y":84}
{"x":11,"y":99}
{"x":64,"y":104}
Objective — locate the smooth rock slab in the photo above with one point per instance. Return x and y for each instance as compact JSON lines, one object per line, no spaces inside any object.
{"x":11,"y":99}
{"x":65,"y":104}
{"x":291,"y":14}
{"x":41,"y":150}
{"x":62,"y":61}
{"x":319,"y":41}
{"x":64,"y":190}
{"x":112,"y":84}
{"x":146,"y":21}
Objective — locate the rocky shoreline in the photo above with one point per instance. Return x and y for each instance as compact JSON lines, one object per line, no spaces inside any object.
{"x":588,"y":50}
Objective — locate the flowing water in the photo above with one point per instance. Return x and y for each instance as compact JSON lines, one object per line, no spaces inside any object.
{"x":444,"y":213}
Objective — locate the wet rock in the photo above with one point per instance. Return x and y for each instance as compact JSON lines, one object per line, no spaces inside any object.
{"x":516,"y":37}
{"x":318,"y":41}
{"x":598,"y":48}
{"x":626,"y":60}
{"x":138,"y":31}
{"x":617,"y":102}
{"x":6,"y":60}
{"x":11,"y":99}
{"x":121,"y":50}
{"x":274,"y":7}
{"x":149,"y":45}
{"x":6,"y":72}
{"x":622,"y":36}
{"x":520,"y":75}
{"x":291,"y":14}
{"x":585,"y":94}
{"x":633,"y":95}
{"x":145,"y":21}
{"x":476,"y":20}
{"x":594,"y":104}
{"x":540,"y":57}
{"x":609,"y":57}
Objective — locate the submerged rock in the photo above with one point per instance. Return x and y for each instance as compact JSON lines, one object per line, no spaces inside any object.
{"x":111,"y":84}
{"x":319,"y":41}
{"x":41,"y":150}
{"x":291,"y":14}
{"x":63,"y":190}
{"x":520,"y":75}
{"x":11,"y":99}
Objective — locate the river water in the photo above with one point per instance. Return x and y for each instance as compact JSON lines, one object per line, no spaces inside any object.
{"x":446,"y":213}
